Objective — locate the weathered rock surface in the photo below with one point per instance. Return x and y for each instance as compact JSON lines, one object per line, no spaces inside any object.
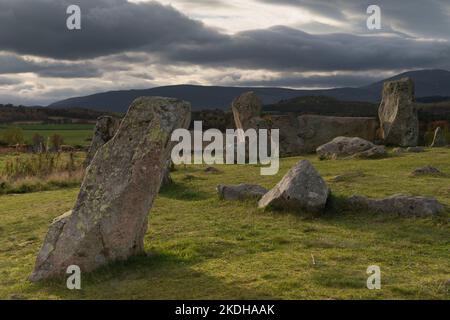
{"x":105,"y":128}
{"x":240,"y":192}
{"x":300,"y":134}
{"x":398,"y":114}
{"x":212,"y":170}
{"x":439,"y":139}
{"x":109,"y":219}
{"x":314,"y":131}
{"x":302,"y":188}
{"x":376,"y":152}
{"x":427,"y":170}
{"x":415,"y":149}
{"x":398,"y":150}
{"x":342,"y":147}
{"x":403,"y":205}
{"x":247,"y":111}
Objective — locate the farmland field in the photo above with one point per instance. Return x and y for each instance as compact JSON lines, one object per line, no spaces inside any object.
{"x":200,"y":247}
{"x":73,"y":134}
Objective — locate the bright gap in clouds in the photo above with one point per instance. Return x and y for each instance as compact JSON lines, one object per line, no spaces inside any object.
{"x":232,"y":16}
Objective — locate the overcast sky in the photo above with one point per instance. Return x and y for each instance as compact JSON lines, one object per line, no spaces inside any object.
{"x":141,"y":44}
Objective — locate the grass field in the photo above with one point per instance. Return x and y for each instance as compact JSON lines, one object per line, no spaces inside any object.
{"x":73,"y":134}
{"x":199,"y":247}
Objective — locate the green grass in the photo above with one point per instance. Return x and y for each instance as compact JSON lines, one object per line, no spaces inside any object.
{"x":56,"y":176}
{"x":73,"y":134}
{"x":199,"y":247}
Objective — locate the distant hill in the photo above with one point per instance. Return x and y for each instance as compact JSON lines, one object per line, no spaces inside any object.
{"x":429,"y":83}
{"x":16,"y":114}
{"x":324,"y":106}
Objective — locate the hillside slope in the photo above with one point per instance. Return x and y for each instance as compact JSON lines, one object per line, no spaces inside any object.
{"x":428,"y":83}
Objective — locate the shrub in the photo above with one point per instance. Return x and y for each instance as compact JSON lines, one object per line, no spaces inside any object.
{"x":39,"y":165}
{"x":38,"y":142}
{"x":40,"y":172}
{"x":56,"y":142}
{"x":13,"y":135}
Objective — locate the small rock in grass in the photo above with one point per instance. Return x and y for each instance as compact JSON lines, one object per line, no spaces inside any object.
{"x":427,"y":170}
{"x":403,"y":205}
{"x":212,"y":170}
{"x":342,"y":147}
{"x":415,"y":149}
{"x":398,"y":150}
{"x":240,"y":192}
{"x":377,"y":152}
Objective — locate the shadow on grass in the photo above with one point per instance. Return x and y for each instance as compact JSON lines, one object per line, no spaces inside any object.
{"x":157,"y":275}
{"x":182,"y":191}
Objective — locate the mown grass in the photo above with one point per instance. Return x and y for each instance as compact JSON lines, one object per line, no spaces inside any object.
{"x":73,"y":134}
{"x":199,"y":247}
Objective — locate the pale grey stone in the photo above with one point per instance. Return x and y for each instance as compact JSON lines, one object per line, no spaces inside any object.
{"x":302,"y":188}
{"x":403,"y":205}
{"x":439,"y":139}
{"x":398,"y":114}
{"x":343,"y":147}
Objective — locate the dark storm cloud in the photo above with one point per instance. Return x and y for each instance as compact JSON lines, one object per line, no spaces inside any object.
{"x":282,"y":48}
{"x":417,"y":17}
{"x":125,"y":34}
{"x":38,"y":27}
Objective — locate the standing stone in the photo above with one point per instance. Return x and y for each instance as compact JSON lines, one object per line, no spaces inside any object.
{"x":302,"y":188}
{"x":105,"y":128}
{"x":398,"y":114}
{"x":247,"y":111}
{"x":315,"y":130}
{"x":439,"y":139}
{"x":109,"y":219}
{"x":342,"y":147}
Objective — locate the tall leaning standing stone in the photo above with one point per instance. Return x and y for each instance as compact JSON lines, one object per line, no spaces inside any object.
{"x":109,"y":219}
{"x":398,"y":114}
{"x":105,"y":128}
